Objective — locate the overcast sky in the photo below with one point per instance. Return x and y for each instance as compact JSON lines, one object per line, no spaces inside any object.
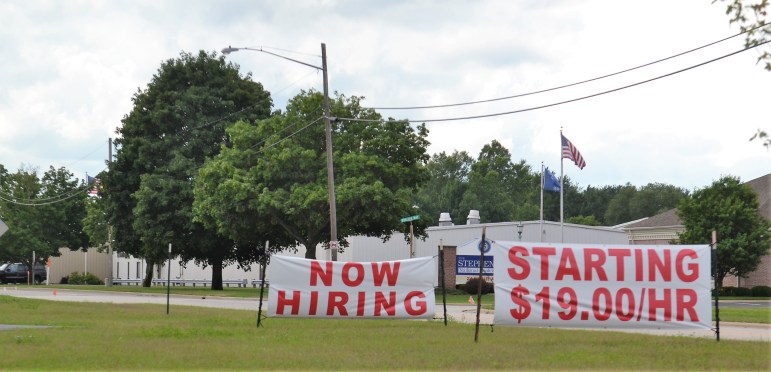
{"x":68,"y":70}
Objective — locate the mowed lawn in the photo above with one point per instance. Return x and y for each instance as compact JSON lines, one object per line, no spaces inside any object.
{"x":727,"y":314}
{"x":142,"y":337}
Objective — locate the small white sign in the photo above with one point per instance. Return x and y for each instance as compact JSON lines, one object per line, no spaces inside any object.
{"x":3,"y":227}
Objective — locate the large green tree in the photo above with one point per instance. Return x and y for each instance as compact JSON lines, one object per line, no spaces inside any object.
{"x":448,"y":181}
{"x":499,"y":188}
{"x":272,"y":174}
{"x":731,"y":209}
{"x":596,"y":201}
{"x":176,"y":123}
{"x":43,"y":213}
{"x":631,"y":203}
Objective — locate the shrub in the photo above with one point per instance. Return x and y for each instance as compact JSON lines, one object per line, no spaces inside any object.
{"x":741,"y":291}
{"x":472,"y":286}
{"x":727,"y":291}
{"x":87,"y":278}
{"x":761,"y":291}
{"x":75,"y":278}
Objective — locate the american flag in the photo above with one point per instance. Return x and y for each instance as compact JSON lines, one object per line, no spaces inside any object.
{"x":571,"y":152}
{"x":95,"y":181}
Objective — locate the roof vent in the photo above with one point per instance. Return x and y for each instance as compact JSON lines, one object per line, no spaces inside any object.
{"x":473,"y":217}
{"x":444,"y":219}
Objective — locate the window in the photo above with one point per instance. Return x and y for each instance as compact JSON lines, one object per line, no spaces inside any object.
{"x":139,"y":269}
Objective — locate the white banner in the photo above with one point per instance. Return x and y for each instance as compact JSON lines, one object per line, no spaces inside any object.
{"x":327,"y":289}
{"x":594,"y":286}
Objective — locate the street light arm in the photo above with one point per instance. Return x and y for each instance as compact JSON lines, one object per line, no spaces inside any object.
{"x":230,"y":49}
{"x":333,"y":243}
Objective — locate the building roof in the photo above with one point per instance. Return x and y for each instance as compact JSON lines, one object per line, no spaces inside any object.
{"x":668,"y":218}
{"x":761,"y":186}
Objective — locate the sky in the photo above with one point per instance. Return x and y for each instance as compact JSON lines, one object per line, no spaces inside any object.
{"x":69,"y":69}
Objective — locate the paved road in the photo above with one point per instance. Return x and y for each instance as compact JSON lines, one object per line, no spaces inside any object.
{"x":462,"y":313}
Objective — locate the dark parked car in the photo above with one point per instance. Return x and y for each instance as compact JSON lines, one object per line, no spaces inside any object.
{"x":17,"y":273}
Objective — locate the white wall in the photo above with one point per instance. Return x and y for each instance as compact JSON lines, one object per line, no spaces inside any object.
{"x":363,"y":249}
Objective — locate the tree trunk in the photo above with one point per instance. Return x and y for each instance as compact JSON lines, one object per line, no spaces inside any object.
{"x":148,"y":282}
{"x":216,"y":275}
{"x":310,"y":250}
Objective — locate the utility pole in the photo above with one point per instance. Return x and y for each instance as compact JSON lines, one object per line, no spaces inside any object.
{"x":109,"y":228}
{"x":333,"y":243}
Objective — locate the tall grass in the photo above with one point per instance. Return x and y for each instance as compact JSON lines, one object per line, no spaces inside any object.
{"x":130,"y":337}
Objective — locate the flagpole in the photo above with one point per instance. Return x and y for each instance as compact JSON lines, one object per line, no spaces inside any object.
{"x":562,"y":188}
{"x":542,"y":180}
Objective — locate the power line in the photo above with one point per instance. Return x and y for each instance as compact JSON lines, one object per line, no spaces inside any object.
{"x":562,"y":86}
{"x":566,"y":101}
{"x":29,"y":203}
{"x":292,"y":135}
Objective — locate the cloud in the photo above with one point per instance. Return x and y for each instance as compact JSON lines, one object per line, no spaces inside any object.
{"x":70,"y":69}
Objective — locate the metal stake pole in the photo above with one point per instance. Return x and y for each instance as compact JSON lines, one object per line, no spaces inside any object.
{"x":479,"y":287}
{"x":717,"y":291}
{"x":262,"y":282}
{"x":444,"y":287}
{"x":168,"y":282}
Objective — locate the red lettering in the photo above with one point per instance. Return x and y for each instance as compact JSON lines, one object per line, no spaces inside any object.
{"x":419,"y":307}
{"x":360,"y":304}
{"x":337,"y":300}
{"x":597,"y":301}
{"x":518,"y":261}
{"x":693,"y":267}
{"x":283,"y":301}
{"x":624,"y":316}
{"x":656,"y":264}
{"x":387,"y":271}
{"x":389,"y":306}
{"x":347,"y":274}
{"x":684,"y":305}
{"x":620,"y":254}
{"x":663,"y":303}
{"x":317,"y":272}
{"x":568,"y":265}
{"x":638,"y":265}
{"x":314,"y":303}
{"x":544,"y":252}
{"x":594,"y":258}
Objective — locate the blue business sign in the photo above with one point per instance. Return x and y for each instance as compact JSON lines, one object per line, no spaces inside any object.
{"x":486,"y":247}
{"x":469,"y":265}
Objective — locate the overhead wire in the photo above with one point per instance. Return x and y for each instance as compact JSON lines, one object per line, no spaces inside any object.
{"x":562,"y":102}
{"x":49,"y":199}
{"x":562,"y":86}
{"x":66,"y":195}
{"x":74,"y":192}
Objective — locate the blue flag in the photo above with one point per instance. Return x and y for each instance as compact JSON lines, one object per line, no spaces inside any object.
{"x":550,"y":181}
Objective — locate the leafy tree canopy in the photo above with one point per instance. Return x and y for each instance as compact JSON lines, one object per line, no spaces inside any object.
{"x":43,"y":213}
{"x":731,"y":209}
{"x":272,"y":181}
{"x":176,"y":124}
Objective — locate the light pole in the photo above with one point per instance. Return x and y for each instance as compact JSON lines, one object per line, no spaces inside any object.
{"x":333,"y":243}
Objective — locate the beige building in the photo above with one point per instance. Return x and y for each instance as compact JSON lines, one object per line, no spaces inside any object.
{"x":92,"y":261}
{"x":666,"y":227}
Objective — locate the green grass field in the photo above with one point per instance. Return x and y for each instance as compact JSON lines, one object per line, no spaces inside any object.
{"x":95,"y":336}
{"x":760,"y":315}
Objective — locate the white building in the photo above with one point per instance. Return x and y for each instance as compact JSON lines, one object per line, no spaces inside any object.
{"x":364,"y":249}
